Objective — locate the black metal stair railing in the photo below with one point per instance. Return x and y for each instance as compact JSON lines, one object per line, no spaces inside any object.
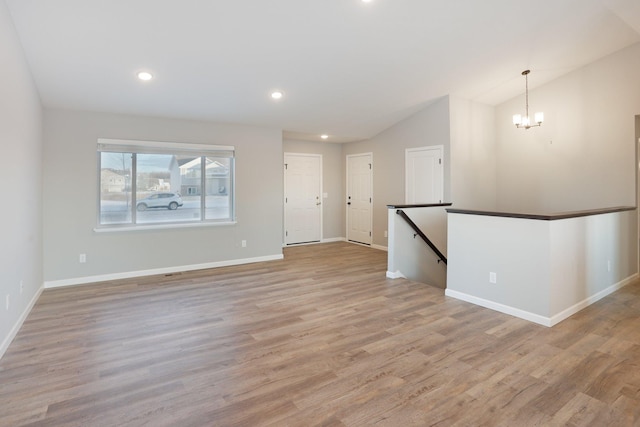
{"x":422,"y":235}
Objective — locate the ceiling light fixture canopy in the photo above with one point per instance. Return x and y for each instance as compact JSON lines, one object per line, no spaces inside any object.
{"x":278,"y":94}
{"x":525,"y":122}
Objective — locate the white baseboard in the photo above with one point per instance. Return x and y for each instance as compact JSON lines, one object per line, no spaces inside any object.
{"x":14,"y":331}
{"x":531,"y":317}
{"x":590,"y":300}
{"x":334,"y":239}
{"x":395,"y":275}
{"x":378,"y":247}
{"x":536,"y":318}
{"x":329,"y":240}
{"x":155,"y":271}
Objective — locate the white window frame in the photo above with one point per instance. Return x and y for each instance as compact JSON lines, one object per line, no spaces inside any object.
{"x":156,"y":147}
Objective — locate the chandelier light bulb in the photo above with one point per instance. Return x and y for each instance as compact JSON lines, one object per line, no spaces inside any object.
{"x":517,"y":119}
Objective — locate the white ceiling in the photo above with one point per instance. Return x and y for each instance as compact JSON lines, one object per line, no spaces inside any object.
{"x":349,"y":69}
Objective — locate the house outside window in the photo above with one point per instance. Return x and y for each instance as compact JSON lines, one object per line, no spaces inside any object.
{"x":143,"y":183}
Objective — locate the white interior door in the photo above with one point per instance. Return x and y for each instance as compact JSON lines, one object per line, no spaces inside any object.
{"x":359,"y":197}
{"x":424,"y":175}
{"x":302,"y":198}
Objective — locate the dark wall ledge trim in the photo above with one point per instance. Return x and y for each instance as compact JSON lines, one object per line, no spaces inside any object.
{"x":432,"y":205}
{"x":543,"y":216}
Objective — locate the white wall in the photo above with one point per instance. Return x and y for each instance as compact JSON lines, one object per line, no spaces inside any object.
{"x":333,"y":176}
{"x":589,"y":254}
{"x":425,"y":128}
{"x":473,"y":155}
{"x":517,"y":250}
{"x":21,"y":214}
{"x":71,"y":187}
{"x":583,"y":156}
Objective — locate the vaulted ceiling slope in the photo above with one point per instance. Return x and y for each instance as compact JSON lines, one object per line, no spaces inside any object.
{"x":347,"y":68}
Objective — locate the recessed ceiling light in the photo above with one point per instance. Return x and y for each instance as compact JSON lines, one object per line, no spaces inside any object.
{"x":366,"y":1}
{"x":324,"y":136}
{"x":277,"y":94}
{"x":145,"y":76}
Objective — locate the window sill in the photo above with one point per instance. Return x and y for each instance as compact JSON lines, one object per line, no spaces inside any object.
{"x":127,"y":228}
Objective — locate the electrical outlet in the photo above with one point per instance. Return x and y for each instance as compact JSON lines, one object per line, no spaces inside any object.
{"x":244,"y":243}
{"x":608,"y":265}
{"x":386,"y":234}
{"x":493,"y":277}
{"x":83,"y":258}
{"x":7,"y":302}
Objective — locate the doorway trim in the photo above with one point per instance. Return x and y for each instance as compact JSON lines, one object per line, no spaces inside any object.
{"x":285,"y":192}
{"x":348,"y":157}
{"x":439,"y":150}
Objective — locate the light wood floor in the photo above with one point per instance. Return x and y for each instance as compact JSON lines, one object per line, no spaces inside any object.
{"x":321,"y":338}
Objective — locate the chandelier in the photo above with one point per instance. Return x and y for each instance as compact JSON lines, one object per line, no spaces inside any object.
{"x":524,"y":121}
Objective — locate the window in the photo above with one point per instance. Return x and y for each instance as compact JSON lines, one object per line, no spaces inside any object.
{"x":146,"y":183}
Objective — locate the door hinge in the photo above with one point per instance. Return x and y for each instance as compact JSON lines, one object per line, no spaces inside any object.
{"x":439,"y":161}
{"x":286,"y":166}
{"x":369,"y":234}
{"x":286,"y":233}
{"x":286,"y":200}
{"x":369,"y":166}
{"x":369,"y":199}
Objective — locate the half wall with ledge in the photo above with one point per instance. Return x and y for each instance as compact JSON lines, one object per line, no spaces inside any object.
{"x":540,"y":267}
